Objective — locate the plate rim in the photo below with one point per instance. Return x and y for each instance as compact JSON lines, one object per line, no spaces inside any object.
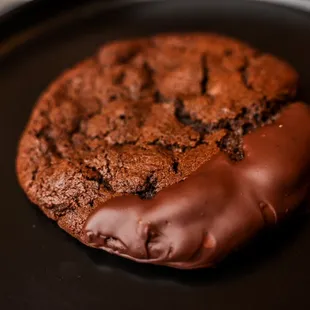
{"x":19,"y":33}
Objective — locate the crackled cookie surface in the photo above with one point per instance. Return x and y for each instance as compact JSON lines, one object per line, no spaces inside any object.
{"x":142,"y":116}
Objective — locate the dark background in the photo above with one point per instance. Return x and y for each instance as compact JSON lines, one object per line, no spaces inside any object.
{"x":41,"y":267}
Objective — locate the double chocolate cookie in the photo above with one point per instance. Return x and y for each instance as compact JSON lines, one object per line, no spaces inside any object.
{"x":171,"y":150}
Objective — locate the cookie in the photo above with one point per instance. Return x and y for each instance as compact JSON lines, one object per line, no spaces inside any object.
{"x":149,"y":141}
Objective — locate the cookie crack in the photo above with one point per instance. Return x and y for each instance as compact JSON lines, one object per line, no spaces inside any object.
{"x":34,"y":174}
{"x":175,"y":166}
{"x":61,"y":210}
{"x":149,"y":187}
{"x":99,"y":178}
{"x":244,"y":74}
{"x":52,"y":145}
{"x":150,"y":75}
{"x":157,"y":97}
{"x":176,"y":145}
{"x":204,"y":80}
{"x":184,"y":118}
{"x":106,"y":157}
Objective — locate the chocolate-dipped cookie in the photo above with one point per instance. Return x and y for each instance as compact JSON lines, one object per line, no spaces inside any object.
{"x":173,"y":149}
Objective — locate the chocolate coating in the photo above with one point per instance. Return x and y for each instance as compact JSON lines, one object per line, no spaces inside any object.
{"x":195,"y":223}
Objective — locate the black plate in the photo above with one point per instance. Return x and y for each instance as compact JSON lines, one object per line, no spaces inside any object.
{"x":44,"y":268}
